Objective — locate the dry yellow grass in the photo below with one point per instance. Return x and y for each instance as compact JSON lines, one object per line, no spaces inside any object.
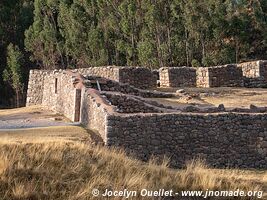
{"x":60,"y":163}
{"x":70,"y":170}
{"x":4,"y":112}
{"x":45,"y":134}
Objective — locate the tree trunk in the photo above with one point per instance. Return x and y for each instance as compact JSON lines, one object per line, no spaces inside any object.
{"x":236,"y":51}
{"x":186,"y":50}
{"x":17,"y":98}
{"x":203,"y":47}
{"x":158,"y":48}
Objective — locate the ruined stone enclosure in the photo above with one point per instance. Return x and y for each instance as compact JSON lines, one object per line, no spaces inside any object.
{"x":125,"y":107}
{"x":249,"y":74}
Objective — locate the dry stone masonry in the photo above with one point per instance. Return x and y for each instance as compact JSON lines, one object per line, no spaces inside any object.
{"x":249,"y":74}
{"x":233,"y":140}
{"x":220,"y":76}
{"x":35,"y":87}
{"x":254,"y":73}
{"x":136,"y":76}
{"x":177,"y":77}
{"x":56,"y":90}
{"x":223,"y":139}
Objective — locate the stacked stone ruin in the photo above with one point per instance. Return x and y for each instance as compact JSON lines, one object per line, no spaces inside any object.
{"x":124,"y":117}
{"x":254,"y":73}
{"x":219,"y":76}
{"x":177,"y":77}
{"x":249,"y":74}
{"x":136,"y":76}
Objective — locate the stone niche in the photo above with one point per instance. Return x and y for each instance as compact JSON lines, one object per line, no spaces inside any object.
{"x":177,"y":77}
{"x":220,"y":76}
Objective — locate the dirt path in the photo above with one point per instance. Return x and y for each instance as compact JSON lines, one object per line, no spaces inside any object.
{"x":30,"y":117}
{"x":36,"y":124}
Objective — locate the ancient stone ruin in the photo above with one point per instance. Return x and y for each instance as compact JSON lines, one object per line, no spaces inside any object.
{"x":115,"y":102}
{"x":177,"y":77}
{"x":249,"y":74}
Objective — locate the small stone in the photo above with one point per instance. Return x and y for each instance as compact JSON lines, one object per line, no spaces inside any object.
{"x":253,"y":107}
{"x":180,"y":91}
{"x":221,"y":108}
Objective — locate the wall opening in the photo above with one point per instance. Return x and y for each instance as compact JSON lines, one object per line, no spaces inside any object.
{"x":77,"y":106}
{"x":56,"y":85}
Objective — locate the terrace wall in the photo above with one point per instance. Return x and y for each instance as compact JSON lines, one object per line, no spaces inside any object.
{"x":94,"y":112}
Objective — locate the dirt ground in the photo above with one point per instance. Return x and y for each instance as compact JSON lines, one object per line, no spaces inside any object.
{"x":31,"y":117}
{"x":36,"y":124}
{"x":210,"y":97}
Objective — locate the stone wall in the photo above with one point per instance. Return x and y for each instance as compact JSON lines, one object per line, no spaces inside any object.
{"x":234,"y":140}
{"x":60,"y":94}
{"x":109,"y":72}
{"x":125,"y":88}
{"x":35,"y":87}
{"x":94,"y":112}
{"x":203,"y":78}
{"x":223,"y":139}
{"x":139,"y":77}
{"x":136,"y":76}
{"x":254,"y":73}
{"x":220,"y":76}
{"x":55,"y":90}
{"x":248,"y":74}
{"x":130,"y":104}
{"x":177,"y":77}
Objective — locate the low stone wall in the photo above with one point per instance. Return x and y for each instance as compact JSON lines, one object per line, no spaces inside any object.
{"x":248,"y":74}
{"x":139,"y":77}
{"x":233,"y":140}
{"x":254,"y":73}
{"x":220,"y":76}
{"x":109,"y":72}
{"x":125,"y":88}
{"x":177,"y":77}
{"x":35,"y":87}
{"x":223,"y":139}
{"x":130,"y":104}
{"x":94,"y":112}
{"x":136,"y":76}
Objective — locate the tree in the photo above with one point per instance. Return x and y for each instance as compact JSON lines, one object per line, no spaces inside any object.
{"x":13,"y":71}
{"x":15,"y":17}
{"x":149,"y":33}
